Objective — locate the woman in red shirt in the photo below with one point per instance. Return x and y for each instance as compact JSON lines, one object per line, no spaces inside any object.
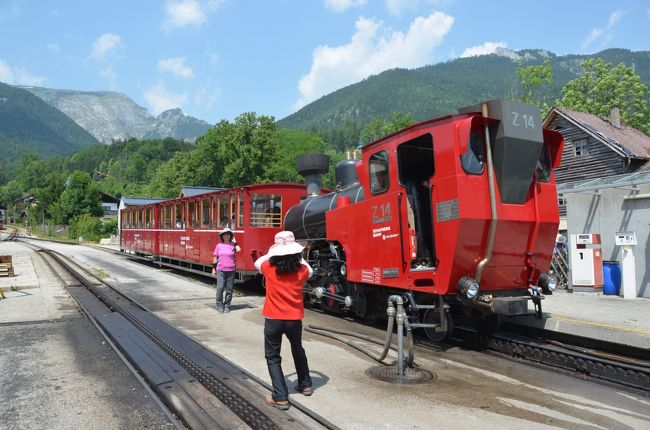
{"x":285,"y":273}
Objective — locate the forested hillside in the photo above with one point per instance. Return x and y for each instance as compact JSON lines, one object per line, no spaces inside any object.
{"x":28,"y":124}
{"x":440,"y":89}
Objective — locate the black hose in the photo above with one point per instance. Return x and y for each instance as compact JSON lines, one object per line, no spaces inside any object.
{"x":323,"y":331}
{"x":380,"y":358}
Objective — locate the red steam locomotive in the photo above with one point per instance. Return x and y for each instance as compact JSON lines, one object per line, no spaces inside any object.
{"x":457,"y":214}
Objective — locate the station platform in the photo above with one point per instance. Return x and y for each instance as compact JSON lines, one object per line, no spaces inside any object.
{"x":604,"y":318}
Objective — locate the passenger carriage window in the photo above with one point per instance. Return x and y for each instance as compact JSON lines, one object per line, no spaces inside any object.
{"x":147,"y":218}
{"x":378,"y":168}
{"x":215,"y":212}
{"x":240,"y":217}
{"x":233,"y":210}
{"x":205,"y":213}
{"x":472,"y":159}
{"x":192,"y":214}
{"x":168,"y":217}
{"x":179,"y":216}
{"x":266,"y":210}
{"x":224,"y":213}
{"x":543,"y":168}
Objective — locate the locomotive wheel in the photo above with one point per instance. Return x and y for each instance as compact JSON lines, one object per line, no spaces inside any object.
{"x":432,"y":316}
{"x":327,"y":304}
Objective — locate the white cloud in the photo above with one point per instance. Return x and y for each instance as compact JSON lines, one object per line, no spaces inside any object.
{"x":373,"y":49}
{"x":342,"y":5}
{"x":106,"y":45}
{"x":110,"y":77}
{"x":54,"y":47}
{"x":19,"y":76}
{"x":161,"y":99}
{"x":206,"y":97}
{"x":181,"y":13}
{"x":175,"y":66}
{"x":484,"y":49}
{"x":396,"y":7}
{"x":597,"y":32}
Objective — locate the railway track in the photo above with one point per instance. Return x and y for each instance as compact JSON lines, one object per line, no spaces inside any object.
{"x":617,"y":370}
{"x":201,"y":388}
{"x":11,"y":236}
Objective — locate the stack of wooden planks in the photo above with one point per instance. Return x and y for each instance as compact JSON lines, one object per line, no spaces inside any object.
{"x":6,"y":266}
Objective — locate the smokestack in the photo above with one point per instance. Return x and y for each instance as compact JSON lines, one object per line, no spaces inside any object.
{"x":615,"y":116}
{"x":312,"y":167}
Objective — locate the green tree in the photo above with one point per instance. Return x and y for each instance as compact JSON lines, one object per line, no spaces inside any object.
{"x":381,"y":127}
{"x":532,"y":83}
{"x":80,"y":197}
{"x":603,"y":86}
{"x":290,"y":144}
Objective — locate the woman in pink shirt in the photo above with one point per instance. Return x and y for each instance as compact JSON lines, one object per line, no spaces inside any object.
{"x":224,"y":263}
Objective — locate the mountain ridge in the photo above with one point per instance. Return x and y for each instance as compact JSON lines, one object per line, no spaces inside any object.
{"x":28,"y":124}
{"x":110,"y":115}
{"x":439,"y":89}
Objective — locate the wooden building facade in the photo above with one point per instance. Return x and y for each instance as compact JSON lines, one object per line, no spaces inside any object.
{"x":596,"y":146}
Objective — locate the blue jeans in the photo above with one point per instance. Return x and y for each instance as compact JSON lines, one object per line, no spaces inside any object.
{"x":273,"y":331}
{"x":225,"y":281}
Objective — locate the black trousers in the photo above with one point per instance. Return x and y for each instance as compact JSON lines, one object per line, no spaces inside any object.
{"x":273,"y":331}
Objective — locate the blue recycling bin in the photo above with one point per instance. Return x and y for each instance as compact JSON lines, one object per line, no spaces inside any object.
{"x":611,"y":278}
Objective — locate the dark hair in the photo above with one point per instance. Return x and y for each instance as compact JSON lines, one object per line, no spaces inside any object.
{"x":226,"y":233}
{"x":286,"y":263}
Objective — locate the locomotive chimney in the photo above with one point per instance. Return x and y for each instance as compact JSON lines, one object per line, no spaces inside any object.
{"x":312,"y":167}
{"x":615,"y":116}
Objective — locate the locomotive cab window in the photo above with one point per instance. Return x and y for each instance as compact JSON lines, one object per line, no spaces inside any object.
{"x":543,"y":166}
{"x":472,"y":160}
{"x":378,"y":168}
{"x":415,"y":162}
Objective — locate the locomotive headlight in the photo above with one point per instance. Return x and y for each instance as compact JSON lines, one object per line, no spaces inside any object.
{"x":343,"y":269}
{"x":469,"y":286}
{"x":548,"y":282}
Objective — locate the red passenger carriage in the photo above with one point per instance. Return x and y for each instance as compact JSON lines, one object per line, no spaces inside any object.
{"x":183,"y":232}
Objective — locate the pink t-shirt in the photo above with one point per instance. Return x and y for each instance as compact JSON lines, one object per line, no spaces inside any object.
{"x":225,"y":253}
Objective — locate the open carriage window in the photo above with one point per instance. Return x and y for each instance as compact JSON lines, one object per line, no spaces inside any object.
{"x":266,"y":210}
{"x":168,"y":217}
{"x":472,"y":160}
{"x":378,"y":168}
{"x":240,"y":210}
{"x":205,"y":213}
{"x":180,"y":216}
{"x":224,"y":212}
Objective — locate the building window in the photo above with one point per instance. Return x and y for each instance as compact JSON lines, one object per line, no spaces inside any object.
{"x":580,"y":148}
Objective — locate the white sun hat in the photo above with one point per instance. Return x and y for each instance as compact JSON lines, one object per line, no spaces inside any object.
{"x":285,"y":244}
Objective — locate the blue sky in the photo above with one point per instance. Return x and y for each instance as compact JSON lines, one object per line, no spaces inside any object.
{"x":218,"y":58}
